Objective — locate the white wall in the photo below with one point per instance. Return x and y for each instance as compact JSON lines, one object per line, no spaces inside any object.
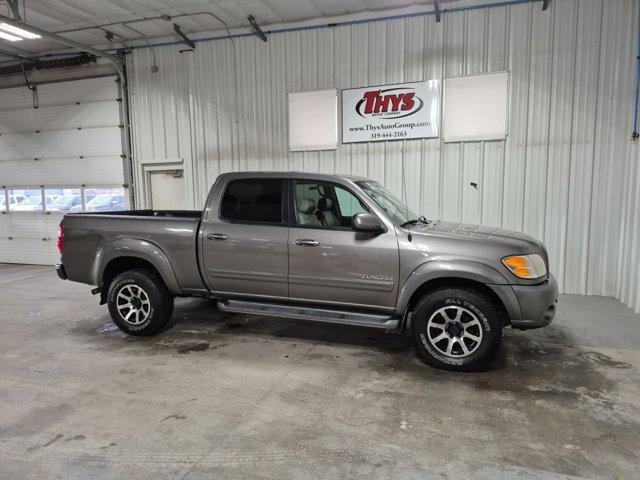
{"x":567,"y":172}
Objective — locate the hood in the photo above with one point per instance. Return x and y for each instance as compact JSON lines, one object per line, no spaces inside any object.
{"x":480,"y":233}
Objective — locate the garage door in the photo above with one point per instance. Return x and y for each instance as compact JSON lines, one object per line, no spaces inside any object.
{"x":60,"y":151}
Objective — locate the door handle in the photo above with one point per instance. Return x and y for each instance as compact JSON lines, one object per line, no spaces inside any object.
{"x":307,"y":243}
{"x":217,"y":236}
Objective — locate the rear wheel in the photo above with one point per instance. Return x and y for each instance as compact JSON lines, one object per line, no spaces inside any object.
{"x":139,"y":302}
{"x":456,"y":329}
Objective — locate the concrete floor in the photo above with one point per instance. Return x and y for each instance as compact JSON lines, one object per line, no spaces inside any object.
{"x":244,"y":397}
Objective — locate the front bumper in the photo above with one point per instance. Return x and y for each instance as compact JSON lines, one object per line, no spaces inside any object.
{"x":537,"y":304}
{"x":60,"y":271}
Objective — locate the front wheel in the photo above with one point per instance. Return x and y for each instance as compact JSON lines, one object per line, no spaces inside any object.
{"x":456,"y":328}
{"x":139,"y":302}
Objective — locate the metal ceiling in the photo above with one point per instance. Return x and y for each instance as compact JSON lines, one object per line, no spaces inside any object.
{"x":79,"y":19}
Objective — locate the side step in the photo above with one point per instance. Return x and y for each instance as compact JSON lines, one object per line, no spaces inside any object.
{"x":307,"y":313}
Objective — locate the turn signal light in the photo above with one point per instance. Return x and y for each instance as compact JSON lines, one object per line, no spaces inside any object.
{"x":526,"y":266}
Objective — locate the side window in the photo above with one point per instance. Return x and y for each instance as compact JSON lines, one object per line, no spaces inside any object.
{"x":319,"y":204}
{"x":253,"y":200}
{"x":349,"y":204}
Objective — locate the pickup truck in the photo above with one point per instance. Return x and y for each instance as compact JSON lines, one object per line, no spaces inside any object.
{"x":325,"y":248}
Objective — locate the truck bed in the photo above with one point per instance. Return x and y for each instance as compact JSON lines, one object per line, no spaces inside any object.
{"x":169,"y":237}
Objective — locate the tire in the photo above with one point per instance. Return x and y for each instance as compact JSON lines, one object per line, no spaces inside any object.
{"x":456,"y":328}
{"x":152,"y":310}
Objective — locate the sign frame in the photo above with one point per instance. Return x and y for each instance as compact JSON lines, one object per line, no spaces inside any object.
{"x":374,"y":131}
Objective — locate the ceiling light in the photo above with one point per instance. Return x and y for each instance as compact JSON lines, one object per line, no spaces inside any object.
{"x":18,"y":31}
{"x":11,"y":38}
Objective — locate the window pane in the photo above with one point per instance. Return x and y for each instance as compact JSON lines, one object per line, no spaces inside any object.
{"x":253,"y":200}
{"x":104,"y":199}
{"x":63,"y":199}
{"x":3,"y":201}
{"x":25,"y":200}
{"x":324,"y":204}
{"x":349,"y":203}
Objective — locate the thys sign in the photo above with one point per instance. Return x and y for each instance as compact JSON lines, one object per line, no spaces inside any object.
{"x":390,"y":112}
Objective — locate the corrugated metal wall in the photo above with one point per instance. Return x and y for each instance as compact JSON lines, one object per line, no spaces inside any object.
{"x":567,"y":172}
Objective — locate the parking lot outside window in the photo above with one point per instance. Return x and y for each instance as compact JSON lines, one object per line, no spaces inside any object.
{"x":104,"y":199}
{"x":25,"y":200}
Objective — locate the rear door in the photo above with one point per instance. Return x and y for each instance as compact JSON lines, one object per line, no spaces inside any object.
{"x":244,"y":242}
{"x":329,"y":263}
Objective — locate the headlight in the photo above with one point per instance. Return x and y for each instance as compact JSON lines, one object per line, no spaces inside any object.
{"x":526,"y":266}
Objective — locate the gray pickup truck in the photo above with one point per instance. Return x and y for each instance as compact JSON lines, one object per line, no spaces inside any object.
{"x":327,"y":248}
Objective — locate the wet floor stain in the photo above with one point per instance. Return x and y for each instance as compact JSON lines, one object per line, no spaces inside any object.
{"x":188,"y":347}
{"x":107,"y":327}
{"x":174,"y":417}
{"x":45,"y":445}
{"x":481,"y":385}
{"x":232,"y":326}
{"x":604,"y":360}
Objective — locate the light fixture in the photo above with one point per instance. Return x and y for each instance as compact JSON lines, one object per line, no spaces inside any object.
{"x":18,"y":31}
{"x":526,"y":266}
{"x":11,"y":38}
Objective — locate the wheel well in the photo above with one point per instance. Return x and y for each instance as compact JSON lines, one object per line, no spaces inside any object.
{"x":459,"y":282}
{"x":118,"y":265}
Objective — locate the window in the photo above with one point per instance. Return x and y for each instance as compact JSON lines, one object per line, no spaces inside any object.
{"x":475,"y":107}
{"x":313,"y":120}
{"x":104,"y":199}
{"x":319,"y":204}
{"x":63,"y":199}
{"x":253,"y":200}
{"x":25,"y":200}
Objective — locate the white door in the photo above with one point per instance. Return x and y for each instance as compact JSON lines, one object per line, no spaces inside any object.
{"x":60,"y":151}
{"x":167,"y":190}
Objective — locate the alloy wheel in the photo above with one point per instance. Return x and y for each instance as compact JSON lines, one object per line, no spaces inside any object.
{"x":454,"y":331}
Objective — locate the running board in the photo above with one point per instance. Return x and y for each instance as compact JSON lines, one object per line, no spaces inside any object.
{"x":313,"y":314}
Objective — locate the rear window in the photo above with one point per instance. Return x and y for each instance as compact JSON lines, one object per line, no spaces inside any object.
{"x":253,"y":200}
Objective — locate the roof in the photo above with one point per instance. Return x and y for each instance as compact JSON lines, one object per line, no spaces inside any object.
{"x":289,"y":174}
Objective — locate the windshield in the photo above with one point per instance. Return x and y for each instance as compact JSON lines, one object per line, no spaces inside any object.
{"x":392,"y":205}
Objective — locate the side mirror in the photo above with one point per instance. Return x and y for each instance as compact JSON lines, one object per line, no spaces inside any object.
{"x":366,"y":222}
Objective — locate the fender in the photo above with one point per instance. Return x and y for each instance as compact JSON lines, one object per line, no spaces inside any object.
{"x":464,"y":269}
{"x":138,"y":248}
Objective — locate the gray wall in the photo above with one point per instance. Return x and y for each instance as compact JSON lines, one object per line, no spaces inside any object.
{"x":567,"y":172}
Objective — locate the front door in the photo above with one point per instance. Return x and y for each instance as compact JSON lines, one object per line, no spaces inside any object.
{"x":244,"y":244}
{"x":329,"y":263}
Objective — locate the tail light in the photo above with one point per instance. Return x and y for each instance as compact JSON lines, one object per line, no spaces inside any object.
{"x":61,"y":238}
